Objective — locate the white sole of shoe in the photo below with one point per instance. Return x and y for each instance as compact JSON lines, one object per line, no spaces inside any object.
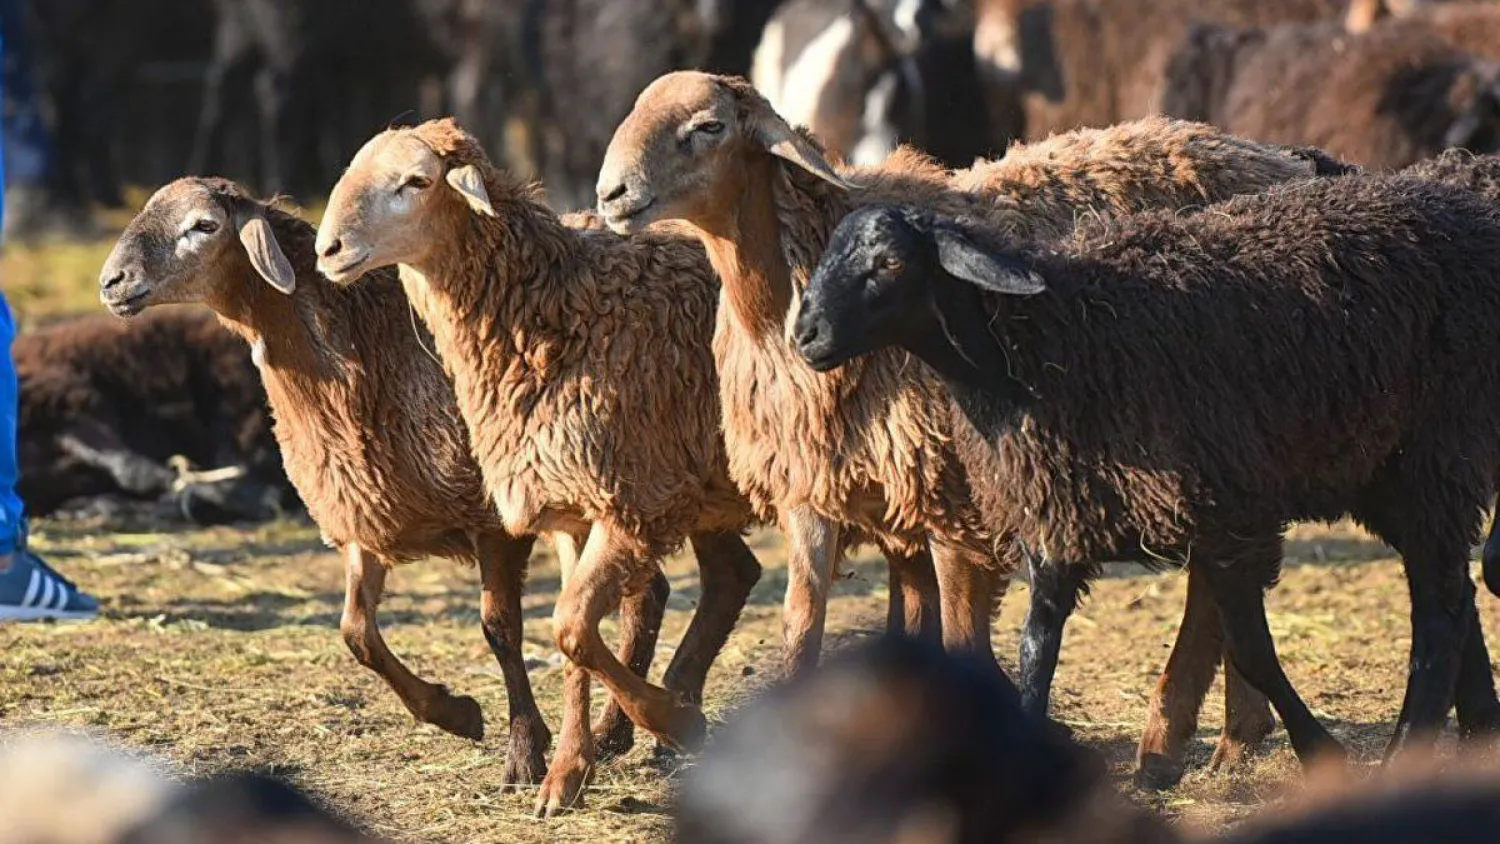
{"x":39,"y":614}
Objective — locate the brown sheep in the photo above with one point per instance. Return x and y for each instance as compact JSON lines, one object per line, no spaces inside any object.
{"x":870,"y":446}
{"x":581,"y":364}
{"x":104,"y":407}
{"x":369,"y":432}
{"x":1388,"y":97}
{"x":1066,"y":64}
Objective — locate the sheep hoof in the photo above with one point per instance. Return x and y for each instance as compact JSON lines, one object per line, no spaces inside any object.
{"x":459,"y":715}
{"x":562,"y":788}
{"x":614,"y":735}
{"x":1157,"y":772}
{"x":526,"y":759}
{"x":684,"y":728}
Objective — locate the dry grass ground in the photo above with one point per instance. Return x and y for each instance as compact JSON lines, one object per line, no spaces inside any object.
{"x":219,"y":649}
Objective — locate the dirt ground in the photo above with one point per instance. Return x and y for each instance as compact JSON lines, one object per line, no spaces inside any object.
{"x":219,"y":649}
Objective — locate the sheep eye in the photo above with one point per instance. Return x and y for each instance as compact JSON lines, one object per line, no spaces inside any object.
{"x":415,"y":183}
{"x":890,"y":263}
{"x":205,"y":226}
{"x":709,"y":127}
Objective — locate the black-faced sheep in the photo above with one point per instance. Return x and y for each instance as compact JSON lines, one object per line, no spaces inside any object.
{"x":869,"y":448}
{"x":369,"y":431}
{"x":1122,"y":393}
{"x":582,"y":370}
{"x":106,"y":407}
{"x":1385,"y":98}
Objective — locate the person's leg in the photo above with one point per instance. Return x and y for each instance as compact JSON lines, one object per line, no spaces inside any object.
{"x":29,"y":588}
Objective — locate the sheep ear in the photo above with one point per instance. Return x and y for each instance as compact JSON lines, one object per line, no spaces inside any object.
{"x":266,"y":255}
{"x":772,"y":132}
{"x":961,"y":257}
{"x":1481,"y":113}
{"x":470,"y":185}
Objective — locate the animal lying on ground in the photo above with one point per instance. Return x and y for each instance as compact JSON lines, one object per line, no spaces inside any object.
{"x":105,"y":407}
{"x":369,"y":429}
{"x":1122,"y":394}
{"x":581,"y":365}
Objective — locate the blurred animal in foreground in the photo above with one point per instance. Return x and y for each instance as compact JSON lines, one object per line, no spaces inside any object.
{"x":106,"y":407}
{"x":899,"y":742}
{"x":62,"y":789}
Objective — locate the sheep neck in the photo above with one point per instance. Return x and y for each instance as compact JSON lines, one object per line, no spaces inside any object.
{"x":744,"y":247}
{"x":971,"y":359}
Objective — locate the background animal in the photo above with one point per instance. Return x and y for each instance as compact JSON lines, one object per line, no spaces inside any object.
{"x":105,"y":406}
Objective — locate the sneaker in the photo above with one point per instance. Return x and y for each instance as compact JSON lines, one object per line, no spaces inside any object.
{"x":32,"y":591}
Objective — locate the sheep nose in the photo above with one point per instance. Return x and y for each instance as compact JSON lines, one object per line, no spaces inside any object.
{"x":611,"y":194}
{"x":806,"y":330}
{"x":332,"y":248}
{"x":112,"y":281}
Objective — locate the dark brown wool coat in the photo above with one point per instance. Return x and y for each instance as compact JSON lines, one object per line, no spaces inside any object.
{"x":174,"y":383}
{"x":1385,"y":98}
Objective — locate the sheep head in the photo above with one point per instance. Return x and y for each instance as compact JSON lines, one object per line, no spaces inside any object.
{"x":682,"y":151}
{"x":190,"y":243}
{"x":400,"y":193}
{"x":883,"y":277}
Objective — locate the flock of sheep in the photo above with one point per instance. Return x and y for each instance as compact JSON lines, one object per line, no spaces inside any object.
{"x":1158,"y":341}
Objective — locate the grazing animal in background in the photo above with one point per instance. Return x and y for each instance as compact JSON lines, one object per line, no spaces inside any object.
{"x":868,"y":75}
{"x":105,"y":407}
{"x":581,"y":364}
{"x":871,"y":446}
{"x":370,"y":431}
{"x":895,"y":742}
{"x":1121,"y":394}
{"x":1386,"y":98}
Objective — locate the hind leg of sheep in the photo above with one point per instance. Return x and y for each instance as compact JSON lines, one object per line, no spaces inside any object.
{"x":428,"y":702}
{"x":812,"y":549}
{"x":502,"y":568}
{"x":1247,"y":719}
{"x":1172,"y":717}
{"x":728,"y":571}
{"x":1478,"y":708}
{"x":1442,"y":617}
{"x":1237,"y":578}
{"x":640,"y":625}
{"x":915,"y":609}
{"x":967,"y":588}
{"x":1055,"y":590}
{"x":609,"y":563}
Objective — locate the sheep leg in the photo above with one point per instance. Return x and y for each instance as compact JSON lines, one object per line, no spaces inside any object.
{"x":1237,"y":580}
{"x":640,"y":624}
{"x":1247,"y":720}
{"x":1172,"y":718}
{"x":428,"y":702}
{"x":967,"y":589}
{"x":610,"y":560}
{"x":1442,"y":617}
{"x":572,"y":766}
{"x":502,"y":568}
{"x":728,"y":570}
{"x":94,"y":443}
{"x":1055,"y":590}
{"x":1478,"y":708}
{"x":914,"y":606}
{"x":812,"y":550}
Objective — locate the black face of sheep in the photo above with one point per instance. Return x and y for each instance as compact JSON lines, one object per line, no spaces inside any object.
{"x":191,"y":233}
{"x":884,"y":281}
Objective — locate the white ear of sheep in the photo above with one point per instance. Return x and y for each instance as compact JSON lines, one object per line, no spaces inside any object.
{"x":470,"y":185}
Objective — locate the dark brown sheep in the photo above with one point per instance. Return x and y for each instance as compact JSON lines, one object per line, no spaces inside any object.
{"x":1121,"y":407}
{"x":105,"y":407}
{"x":1065,"y":64}
{"x":582,"y":369}
{"x":1388,"y":97}
{"x":368,"y":427}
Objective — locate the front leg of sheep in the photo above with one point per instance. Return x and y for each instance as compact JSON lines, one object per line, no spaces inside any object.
{"x":812,"y":549}
{"x":429,"y":702}
{"x":610,"y":562}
